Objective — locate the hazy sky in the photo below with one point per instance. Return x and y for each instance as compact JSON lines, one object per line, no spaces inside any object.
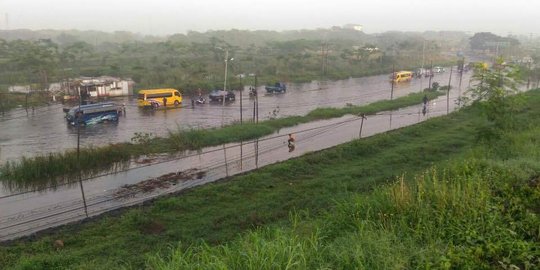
{"x":162,"y":17}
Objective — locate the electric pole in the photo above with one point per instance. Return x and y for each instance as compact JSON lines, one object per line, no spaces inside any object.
{"x":448,"y":92}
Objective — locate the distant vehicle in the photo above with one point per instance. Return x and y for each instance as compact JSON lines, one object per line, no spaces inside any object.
{"x":200,"y":100}
{"x":420,"y":72}
{"x":401,"y":76}
{"x":93,"y":113}
{"x":155,"y":98}
{"x":278,"y":87}
{"x":218,"y":95}
{"x":439,"y":69}
{"x":252,"y":92}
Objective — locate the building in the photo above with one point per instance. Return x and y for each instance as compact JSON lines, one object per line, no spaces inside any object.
{"x":355,"y":27}
{"x":104,"y":86}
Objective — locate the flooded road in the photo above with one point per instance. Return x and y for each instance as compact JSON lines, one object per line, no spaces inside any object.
{"x":26,"y":213}
{"x":44,"y":130}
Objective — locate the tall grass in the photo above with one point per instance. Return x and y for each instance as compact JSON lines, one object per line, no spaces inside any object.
{"x":59,"y":168}
{"x":472,"y":214}
{"x":51,"y":169}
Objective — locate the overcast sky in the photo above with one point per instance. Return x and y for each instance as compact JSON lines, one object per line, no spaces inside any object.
{"x":163,"y":17}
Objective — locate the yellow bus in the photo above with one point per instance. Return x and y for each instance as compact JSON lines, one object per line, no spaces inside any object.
{"x":401,"y":76}
{"x":159,"y":98}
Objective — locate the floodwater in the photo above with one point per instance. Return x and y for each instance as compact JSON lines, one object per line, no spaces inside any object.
{"x":27,"y":213}
{"x":44,"y":130}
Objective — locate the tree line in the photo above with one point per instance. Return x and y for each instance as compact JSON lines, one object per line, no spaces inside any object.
{"x":196,"y":60}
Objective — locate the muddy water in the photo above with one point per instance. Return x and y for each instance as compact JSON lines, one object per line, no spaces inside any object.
{"x":44,"y":130}
{"x":31,"y":212}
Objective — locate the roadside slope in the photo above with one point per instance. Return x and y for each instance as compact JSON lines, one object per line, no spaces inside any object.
{"x":218,"y":212}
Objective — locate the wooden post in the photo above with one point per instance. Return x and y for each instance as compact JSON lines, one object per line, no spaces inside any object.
{"x":361,"y":125}
{"x":241,"y":155}
{"x":226,"y":163}
{"x":257,"y":153}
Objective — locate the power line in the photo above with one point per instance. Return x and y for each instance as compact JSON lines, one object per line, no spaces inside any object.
{"x":129,"y":194}
{"x":169,"y":160}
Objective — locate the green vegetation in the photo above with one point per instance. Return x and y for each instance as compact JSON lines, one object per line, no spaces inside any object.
{"x":58,"y":168}
{"x":195,"y":60}
{"x":29,"y":101}
{"x":425,"y":196}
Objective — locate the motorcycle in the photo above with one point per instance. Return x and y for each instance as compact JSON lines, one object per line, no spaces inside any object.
{"x":200,"y":100}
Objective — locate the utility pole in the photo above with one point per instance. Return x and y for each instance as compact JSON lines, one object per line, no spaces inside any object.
{"x":430,"y":74}
{"x":459,"y":87}
{"x":392,"y":90}
{"x":241,"y":90}
{"x":422,"y":69}
{"x":448,"y":92}
{"x":256,"y":103}
{"x":324,"y":59}
{"x":529,"y":77}
{"x":2,"y":102}
{"x":225,"y":80}
{"x":77,"y":122}
{"x":393,"y":80}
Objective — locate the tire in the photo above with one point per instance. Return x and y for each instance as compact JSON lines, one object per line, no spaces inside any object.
{"x":176,"y":103}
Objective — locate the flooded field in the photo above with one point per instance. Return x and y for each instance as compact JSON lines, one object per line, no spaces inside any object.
{"x":45,"y":130}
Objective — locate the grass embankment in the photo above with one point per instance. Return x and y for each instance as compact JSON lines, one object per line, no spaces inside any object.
{"x":349,"y":215}
{"x":56,"y":168}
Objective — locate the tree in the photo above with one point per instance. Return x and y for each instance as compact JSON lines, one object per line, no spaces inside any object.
{"x":494,"y":90}
{"x":35,"y":57}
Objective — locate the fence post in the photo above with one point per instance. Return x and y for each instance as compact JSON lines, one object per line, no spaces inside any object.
{"x":226,"y":163}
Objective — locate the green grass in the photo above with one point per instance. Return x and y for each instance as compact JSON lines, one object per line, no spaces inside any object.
{"x":425,"y":196}
{"x":58,"y":168}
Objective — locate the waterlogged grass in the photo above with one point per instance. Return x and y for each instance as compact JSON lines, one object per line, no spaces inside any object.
{"x":216,"y":213}
{"x":44,"y":171}
{"x":41,"y":171}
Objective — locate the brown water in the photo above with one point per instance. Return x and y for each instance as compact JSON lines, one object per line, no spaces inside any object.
{"x":26,"y":213}
{"x":45,"y":130}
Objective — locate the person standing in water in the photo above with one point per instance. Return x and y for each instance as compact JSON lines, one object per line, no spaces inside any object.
{"x":290,"y":142}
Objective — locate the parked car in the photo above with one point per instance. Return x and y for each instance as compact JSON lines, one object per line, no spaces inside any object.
{"x":217,"y":95}
{"x":279,"y":87}
{"x":439,"y":69}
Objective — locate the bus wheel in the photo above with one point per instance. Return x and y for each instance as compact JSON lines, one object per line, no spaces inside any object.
{"x":176,"y":103}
